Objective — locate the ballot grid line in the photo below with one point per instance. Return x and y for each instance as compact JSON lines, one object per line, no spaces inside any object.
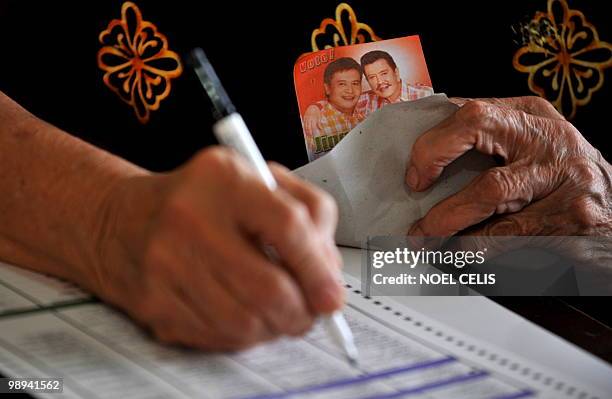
{"x":50,"y":308}
{"x":35,"y":305}
{"x":20,"y":292}
{"x":10,"y":289}
{"x":363,"y":378}
{"x":379,"y":374}
{"x":431,"y":345}
{"x":518,"y":395}
{"x":402,"y":393}
{"x":38,"y":306}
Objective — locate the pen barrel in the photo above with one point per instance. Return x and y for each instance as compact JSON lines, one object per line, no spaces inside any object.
{"x":233,"y":132}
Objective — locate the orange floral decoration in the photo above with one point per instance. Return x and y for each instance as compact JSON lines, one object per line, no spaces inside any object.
{"x":566,"y":60}
{"x":137,"y":63}
{"x":338,"y":28}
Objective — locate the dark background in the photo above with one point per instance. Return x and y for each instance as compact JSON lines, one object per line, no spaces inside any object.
{"x":49,"y":66}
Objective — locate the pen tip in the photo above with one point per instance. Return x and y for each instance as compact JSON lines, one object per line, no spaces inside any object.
{"x":352,"y":361}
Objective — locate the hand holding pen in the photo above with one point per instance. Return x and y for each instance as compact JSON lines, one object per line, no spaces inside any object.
{"x":231,"y":130}
{"x":181,"y":253}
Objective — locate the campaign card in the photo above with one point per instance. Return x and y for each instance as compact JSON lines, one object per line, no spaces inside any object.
{"x":338,"y":87}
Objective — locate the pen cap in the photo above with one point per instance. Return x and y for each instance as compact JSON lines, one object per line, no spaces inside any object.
{"x":233,"y":132}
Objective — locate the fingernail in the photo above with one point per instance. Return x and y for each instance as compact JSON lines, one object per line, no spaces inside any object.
{"x":412,"y":178}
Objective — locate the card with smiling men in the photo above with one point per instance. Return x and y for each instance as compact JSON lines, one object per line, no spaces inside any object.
{"x":337,"y":88}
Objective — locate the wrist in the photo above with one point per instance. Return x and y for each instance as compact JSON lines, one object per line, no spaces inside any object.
{"x":122,"y":226}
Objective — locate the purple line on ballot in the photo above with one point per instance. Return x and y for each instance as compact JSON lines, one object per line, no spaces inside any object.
{"x":518,"y":395}
{"x":432,"y":385}
{"x":359,"y":379}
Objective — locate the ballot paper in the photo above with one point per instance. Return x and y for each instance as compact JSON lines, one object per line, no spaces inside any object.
{"x":100,"y":353}
{"x":365,"y":172}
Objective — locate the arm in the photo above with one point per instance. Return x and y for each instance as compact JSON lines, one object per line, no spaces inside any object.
{"x":180,"y":252}
{"x":55,"y":194}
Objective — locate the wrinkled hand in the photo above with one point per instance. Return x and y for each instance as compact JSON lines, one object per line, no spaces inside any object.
{"x":183,"y":254}
{"x":553,"y":182}
{"x":312,"y":120}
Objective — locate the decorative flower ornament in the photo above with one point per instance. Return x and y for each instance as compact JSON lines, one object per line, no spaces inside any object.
{"x":358,"y":32}
{"x":564,"y":57}
{"x":137,"y":63}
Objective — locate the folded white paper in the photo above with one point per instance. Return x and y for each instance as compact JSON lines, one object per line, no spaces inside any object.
{"x":365,"y":171}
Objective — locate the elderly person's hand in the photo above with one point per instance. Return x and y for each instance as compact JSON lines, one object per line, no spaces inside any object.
{"x":183,"y":253}
{"x":552,"y":182}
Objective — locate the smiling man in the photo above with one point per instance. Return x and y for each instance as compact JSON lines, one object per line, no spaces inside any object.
{"x":387,"y":87}
{"x":336,"y":115}
{"x":383,"y":75}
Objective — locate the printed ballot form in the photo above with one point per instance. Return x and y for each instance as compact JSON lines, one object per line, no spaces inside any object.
{"x":50,"y":329}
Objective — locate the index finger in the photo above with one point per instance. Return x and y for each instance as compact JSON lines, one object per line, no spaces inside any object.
{"x":285,"y":223}
{"x":490,"y":129}
{"x":529,"y":104}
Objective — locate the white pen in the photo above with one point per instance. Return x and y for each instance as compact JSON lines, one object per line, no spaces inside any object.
{"x":231,"y":130}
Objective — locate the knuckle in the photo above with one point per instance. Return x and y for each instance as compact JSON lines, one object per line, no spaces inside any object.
{"x":545,"y":106}
{"x":537,"y":103}
{"x":474,"y":112}
{"x":217,"y":164}
{"x":295,"y":216}
{"x":325,"y":203}
{"x":584,"y":212}
{"x":496,"y":185}
{"x":214,"y":157}
{"x":275,"y":290}
{"x":278,"y":167}
{"x":571,"y":136}
{"x":583,"y":172}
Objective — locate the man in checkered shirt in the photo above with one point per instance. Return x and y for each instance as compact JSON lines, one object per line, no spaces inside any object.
{"x":383,"y":76}
{"x":336,"y":114}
